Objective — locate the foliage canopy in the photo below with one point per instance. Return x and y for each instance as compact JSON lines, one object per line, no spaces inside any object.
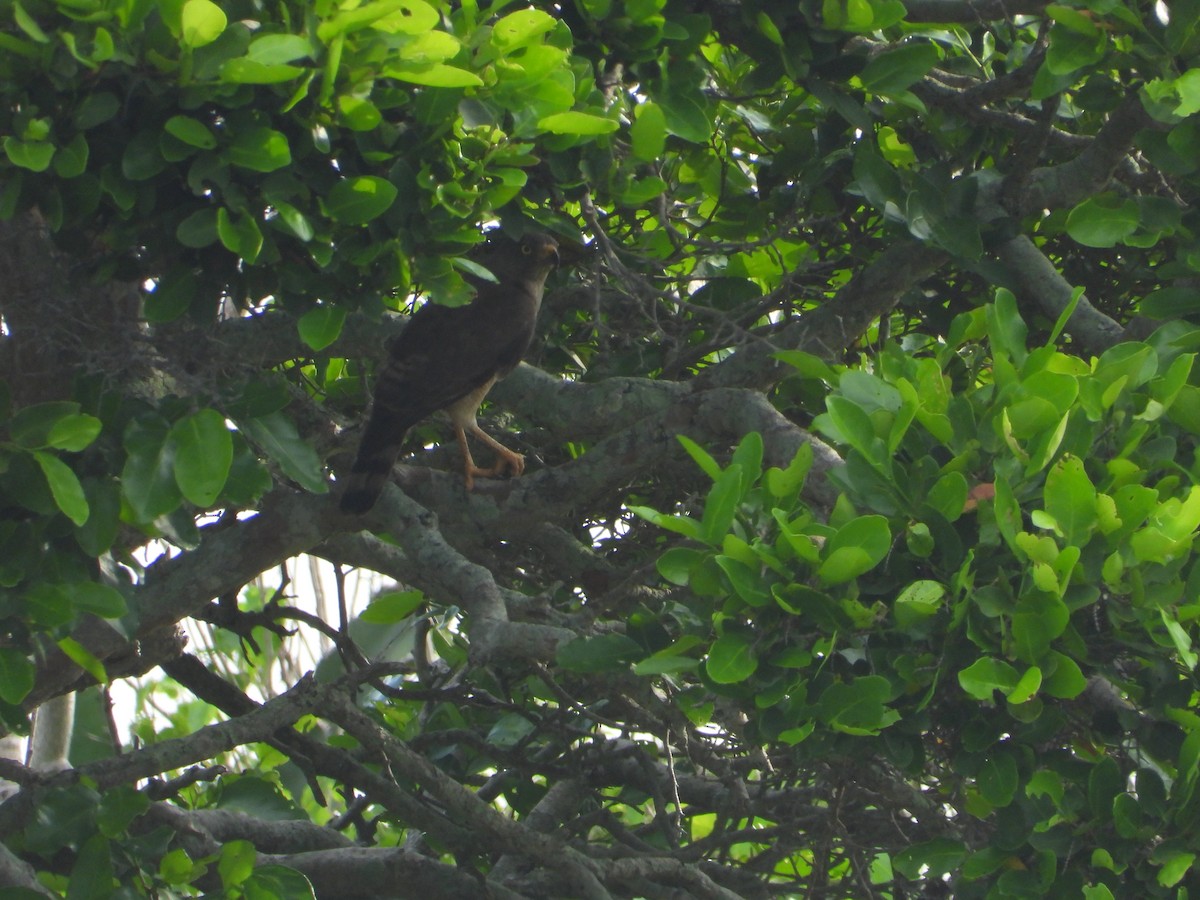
{"x":855,"y":556}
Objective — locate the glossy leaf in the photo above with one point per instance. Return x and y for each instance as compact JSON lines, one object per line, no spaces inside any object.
{"x":321,"y":326}
{"x":986,"y":675}
{"x":16,"y":676}
{"x":64,"y":487}
{"x":731,"y":659}
{"x":356,"y":201}
{"x":857,"y":547}
{"x":202,"y":22}
{"x":203,"y":456}
{"x":276,"y":434}
{"x":148,"y":478}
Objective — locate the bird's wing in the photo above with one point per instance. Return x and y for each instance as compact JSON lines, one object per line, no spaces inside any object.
{"x":443,"y":355}
{"x":446,"y":354}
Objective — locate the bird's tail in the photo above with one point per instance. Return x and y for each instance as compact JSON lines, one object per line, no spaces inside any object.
{"x":376,"y":455}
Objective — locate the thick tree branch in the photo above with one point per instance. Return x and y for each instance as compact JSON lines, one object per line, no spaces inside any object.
{"x":358,"y":873}
{"x":15,"y":873}
{"x":1067,"y":184}
{"x":1046,"y":286}
{"x":831,"y":329}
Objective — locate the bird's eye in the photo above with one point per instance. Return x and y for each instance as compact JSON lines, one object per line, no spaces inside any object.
{"x":526,"y":249}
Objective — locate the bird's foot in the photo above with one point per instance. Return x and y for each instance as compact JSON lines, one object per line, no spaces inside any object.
{"x":510,"y":463}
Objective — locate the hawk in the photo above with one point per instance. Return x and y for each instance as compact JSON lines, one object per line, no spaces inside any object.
{"x":447,"y":359}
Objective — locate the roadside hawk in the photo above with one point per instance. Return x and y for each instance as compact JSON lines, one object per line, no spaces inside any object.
{"x":447,"y":359}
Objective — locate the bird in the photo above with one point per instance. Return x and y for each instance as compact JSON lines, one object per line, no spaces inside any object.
{"x":447,"y":359}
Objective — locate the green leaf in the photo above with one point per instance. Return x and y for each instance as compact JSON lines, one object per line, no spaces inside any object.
{"x":731,"y":659}
{"x":95,"y":109}
{"x":721,"y":505}
{"x":16,"y":676}
{"x":408,"y":17}
{"x":73,"y":432}
{"x":918,"y":602}
{"x":92,"y":876}
{"x":321,"y":326}
{"x":520,"y":28}
{"x":686,"y":116}
{"x":276,"y":434}
{"x":356,"y":201}
{"x":676,"y":564}
{"x":930,"y":859}
{"x":807,"y":365}
{"x":648,"y":133}
{"x":197,"y":230}
{"x":948,"y":495}
{"x":1070,"y":499}
{"x":202,"y":23}
{"x":260,"y":150}
{"x":1175,"y":868}
{"x":30,"y":427}
{"x":1067,"y":680}
{"x":359,"y":114}
{"x":294,"y":221}
{"x":64,"y":486}
{"x":574,"y":122}
{"x":1180,"y":638}
{"x":148,"y":478}
{"x":236,"y":864}
{"x":986,"y":675}
{"x":1037,"y":621}
{"x":509,"y":730}
{"x":602,"y":653}
{"x":203,"y":455}
{"x":392,"y":606}
{"x":670,"y":659}
{"x":276,"y":49}
{"x":28,"y":24}
{"x":1103,"y":220}
{"x":98,"y":599}
{"x":1006,"y":328}
{"x":859,"y":706}
{"x":273,"y":881}
{"x":684,"y":525}
{"x":1071,"y":50}
{"x":748,"y":456}
{"x":191,"y":132}
{"x":32,"y":155}
{"x":239,"y":235}
{"x":786,"y":483}
{"x":1027,"y":686}
{"x":83,"y":658}
{"x":854,"y":427}
{"x":249,"y":71}
{"x":892,"y":72}
{"x":999,"y":778}
{"x":747,"y":582}
{"x":119,"y":807}
{"x":391,"y":16}
{"x":702,"y":457}
{"x":71,"y":160}
{"x":856,"y":547}
{"x":436,"y":75}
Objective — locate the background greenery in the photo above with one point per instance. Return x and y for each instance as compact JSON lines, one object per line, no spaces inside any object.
{"x":855,"y":553}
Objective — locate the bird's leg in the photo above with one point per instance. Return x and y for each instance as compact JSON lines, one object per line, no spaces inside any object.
{"x":507,"y":460}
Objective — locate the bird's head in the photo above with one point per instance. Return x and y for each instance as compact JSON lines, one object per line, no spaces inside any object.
{"x":539,"y":250}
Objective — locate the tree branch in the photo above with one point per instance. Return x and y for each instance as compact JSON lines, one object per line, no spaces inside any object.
{"x":1067,"y":184}
{"x":1046,"y":286}
{"x":832,"y":328}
